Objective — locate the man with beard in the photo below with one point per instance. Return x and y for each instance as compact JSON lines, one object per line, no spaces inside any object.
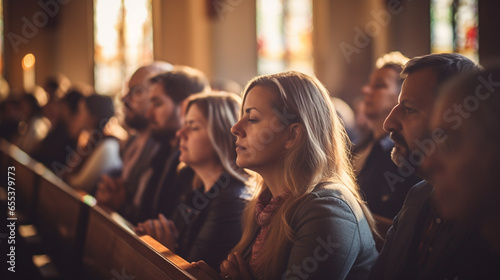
{"x":421,"y":244}
{"x":117,"y":192}
{"x":372,"y":157}
{"x":165,"y":114}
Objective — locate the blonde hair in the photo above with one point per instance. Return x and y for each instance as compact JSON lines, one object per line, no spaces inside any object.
{"x":221,"y":110}
{"x":320,"y":155}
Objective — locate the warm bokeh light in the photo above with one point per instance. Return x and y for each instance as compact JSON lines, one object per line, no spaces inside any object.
{"x":41,"y":96}
{"x":28,"y":61}
{"x":123,"y":41}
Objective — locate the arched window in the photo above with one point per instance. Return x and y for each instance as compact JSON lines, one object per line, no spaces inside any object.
{"x":454,"y":25}
{"x":284,"y":36}
{"x":123,"y":41}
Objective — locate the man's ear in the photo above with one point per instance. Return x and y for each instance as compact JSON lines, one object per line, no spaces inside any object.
{"x":294,"y":132}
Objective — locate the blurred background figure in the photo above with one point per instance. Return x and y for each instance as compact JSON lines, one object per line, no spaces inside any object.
{"x":55,"y":87}
{"x":116,"y":190}
{"x":465,"y":168}
{"x":156,"y":191}
{"x":222,"y":84}
{"x":378,"y":177}
{"x":33,"y":126}
{"x":98,"y":152}
{"x":56,"y":147}
{"x":346,"y":115}
{"x":10,"y":116}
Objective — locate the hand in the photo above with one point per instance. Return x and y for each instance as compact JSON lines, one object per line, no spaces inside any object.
{"x":162,"y":229}
{"x":234,"y":267}
{"x":111,"y":192}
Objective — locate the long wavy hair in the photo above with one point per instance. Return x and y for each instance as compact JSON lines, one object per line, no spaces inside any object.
{"x":320,"y":154}
{"x":221,"y":110}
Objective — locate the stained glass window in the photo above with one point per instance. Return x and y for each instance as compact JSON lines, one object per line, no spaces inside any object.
{"x":123,"y":41}
{"x":454,"y":26}
{"x":284,"y":36}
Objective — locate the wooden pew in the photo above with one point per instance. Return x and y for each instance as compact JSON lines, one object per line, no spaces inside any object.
{"x":83,"y":240}
{"x":112,"y":249}
{"x":26,"y":180}
{"x":61,"y":218}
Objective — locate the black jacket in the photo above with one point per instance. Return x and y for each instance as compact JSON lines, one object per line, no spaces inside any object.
{"x":456,"y":253}
{"x":383,"y":185}
{"x":209,"y":224}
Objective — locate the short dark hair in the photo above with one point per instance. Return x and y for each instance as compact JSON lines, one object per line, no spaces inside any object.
{"x":446,"y":66}
{"x":72,"y":98}
{"x":100,"y":107}
{"x":181,"y":82}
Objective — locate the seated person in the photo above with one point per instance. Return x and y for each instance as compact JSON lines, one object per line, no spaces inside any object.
{"x":33,"y":127}
{"x":117,"y":190}
{"x":100,"y":151}
{"x":466,"y":182}
{"x":10,"y":116}
{"x":53,"y":150}
{"x":381,"y":185}
{"x":421,"y":243}
{"x":157,"y":192}
{"x":207,"y":222}
{"x":308,"y":219}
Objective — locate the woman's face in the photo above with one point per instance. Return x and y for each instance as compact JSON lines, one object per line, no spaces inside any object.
{"x":261,"y":132}
{"x":195,"y":146}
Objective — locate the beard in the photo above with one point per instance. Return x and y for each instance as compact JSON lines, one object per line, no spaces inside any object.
{"x":163,"y":135}
{"x":168,"y":130}
{"x":400,"y":152}
{"x":137,"y":122}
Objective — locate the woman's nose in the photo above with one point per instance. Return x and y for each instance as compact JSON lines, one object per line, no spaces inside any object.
{"x":180,"y":132}
{"x":235,"y":130}
{"x":366,"y":90}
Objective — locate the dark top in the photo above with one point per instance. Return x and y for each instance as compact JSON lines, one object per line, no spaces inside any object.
{"x":141,"y":166}
{"x":209,"y":224}
{"x":383,"y":185}
{"x":420,"y":245}
{"x":163,"y":189}
{"x":56,"y":147}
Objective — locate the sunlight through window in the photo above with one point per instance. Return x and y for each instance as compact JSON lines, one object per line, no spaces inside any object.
{"x":123,"y":41}
{"x":454,"y":25}
{"x":284,"y":36}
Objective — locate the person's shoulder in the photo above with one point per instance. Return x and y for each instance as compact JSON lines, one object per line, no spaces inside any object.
{"x":230,"y":188}
{"x":329,"y":200}
{"x":419,"y":193}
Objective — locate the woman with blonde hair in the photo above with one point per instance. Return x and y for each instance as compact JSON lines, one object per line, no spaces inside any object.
{"x":207,"y":221}
{"x":307,"y":220}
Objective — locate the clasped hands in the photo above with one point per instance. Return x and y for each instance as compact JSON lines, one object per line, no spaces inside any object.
{"x":110,"y":192}
{"x":161,"y":229}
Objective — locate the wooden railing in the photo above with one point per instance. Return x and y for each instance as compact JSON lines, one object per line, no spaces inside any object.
{"x":84,"y":240}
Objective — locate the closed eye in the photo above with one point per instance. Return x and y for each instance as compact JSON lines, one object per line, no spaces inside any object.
{"x":409,"y":110}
